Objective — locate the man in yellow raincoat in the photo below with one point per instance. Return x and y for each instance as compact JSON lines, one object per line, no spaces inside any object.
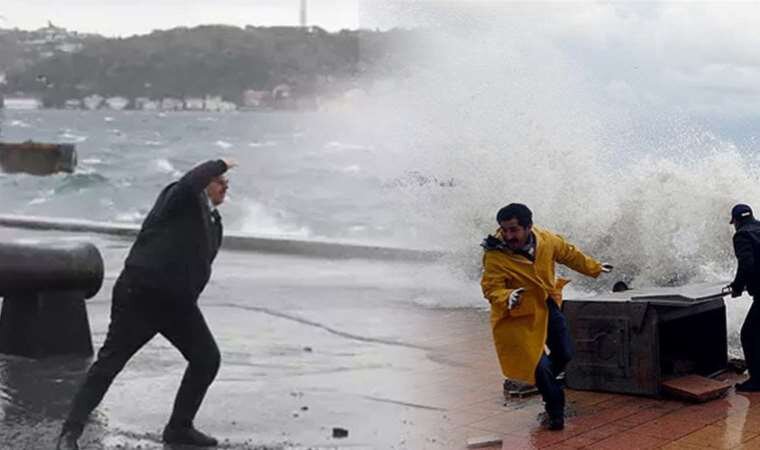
{"x":520,"y":283}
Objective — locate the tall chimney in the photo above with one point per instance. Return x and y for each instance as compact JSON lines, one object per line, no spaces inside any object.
{"x":303,"y":13}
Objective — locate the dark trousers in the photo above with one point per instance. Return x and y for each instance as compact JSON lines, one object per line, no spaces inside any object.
{"x":561,"y":352}
{"x":137,"y":315}
{"x":750,"y":336}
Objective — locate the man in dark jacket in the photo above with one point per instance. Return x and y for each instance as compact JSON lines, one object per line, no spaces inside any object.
{"x":747,"y":248}
{"x":157,"y":292}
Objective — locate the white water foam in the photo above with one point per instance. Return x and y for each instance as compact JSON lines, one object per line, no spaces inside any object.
{"x":260,"y":221}
{"x":130,"y":217}
{"x":352,"y":169}
{"x":262,"y":144}
{"x":223,"y":144}
{"x":18,"y":124}
{"x":163,"y":165}
{"x":336,"y":146}
{"x":512,"y":120}
{"x":509,"y":118}
{"x":38,"y":201}
{"x":69,"y":136}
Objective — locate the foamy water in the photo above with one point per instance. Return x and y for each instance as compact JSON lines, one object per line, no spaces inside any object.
{"x":165,"y":166}
{"x":284,"y":186}
{"x":510,"y":118}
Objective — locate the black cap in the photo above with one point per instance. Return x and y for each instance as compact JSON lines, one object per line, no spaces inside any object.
{"x":740,"y":212}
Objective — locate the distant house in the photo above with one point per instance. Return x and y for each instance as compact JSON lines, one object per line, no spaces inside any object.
{"x":117,"y":103}
{"x":53,"y":33}
{"x":151,"y":105}
{"x":227,"y":107}
{"x":22,"y":103}
{"x":212,"y":103}
{"x":146,"y":104}
{"x":73,"y":103}
{"x":172,"y":104}
{"x":52,"y":38}
{"x":138,"y":102}
{"x":256,"y":99}
{"x":93,"y":102}
{"x":216,"y":104}
{"x":281,"y":92}
{"x":283,"y":98}
{"x":69,"y":47}
{"x":194,"y":104}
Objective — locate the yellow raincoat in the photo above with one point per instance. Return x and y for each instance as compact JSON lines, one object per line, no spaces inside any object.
{"x":520,"y":334}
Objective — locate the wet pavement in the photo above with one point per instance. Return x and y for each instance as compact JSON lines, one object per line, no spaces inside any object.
{"x":307,"y":345}
{"x":311,"y":344}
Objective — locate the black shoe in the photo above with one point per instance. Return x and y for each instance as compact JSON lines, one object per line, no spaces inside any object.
{"x":556,"y":423}
{"x":67,"y":441}
{"x":748,"y":386}
{"x":518,"y":389}
{"x":187,"y":436}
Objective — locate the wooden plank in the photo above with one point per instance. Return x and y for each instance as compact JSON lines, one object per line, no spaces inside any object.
{"x":695,"y":388}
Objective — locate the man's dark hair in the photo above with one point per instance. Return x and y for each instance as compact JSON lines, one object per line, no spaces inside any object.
{"x":515,"y":211}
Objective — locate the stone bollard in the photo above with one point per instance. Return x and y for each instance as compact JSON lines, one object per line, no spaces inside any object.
{"x":44,"y":288}
{"x":37,"y":158}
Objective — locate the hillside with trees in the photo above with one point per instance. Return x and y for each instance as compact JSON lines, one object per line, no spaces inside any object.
{"x":206,"y":60}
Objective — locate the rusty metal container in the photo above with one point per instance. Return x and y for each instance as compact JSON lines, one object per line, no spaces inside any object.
{"x":37,"y":158}
{"x":630,"y":342}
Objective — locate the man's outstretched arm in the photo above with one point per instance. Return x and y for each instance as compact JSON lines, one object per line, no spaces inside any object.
{"x":569,"y":255}
{"x":196,"y":180}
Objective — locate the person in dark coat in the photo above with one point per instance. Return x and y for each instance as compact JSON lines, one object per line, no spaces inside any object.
{"x":747,"y":249}
{"x":166,"y":270}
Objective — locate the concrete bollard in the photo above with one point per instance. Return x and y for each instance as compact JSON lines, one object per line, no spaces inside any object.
{"x":37,"y":158}
{"x":44,"y":288}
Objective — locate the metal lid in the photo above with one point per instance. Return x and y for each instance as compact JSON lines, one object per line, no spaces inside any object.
{"x":669,"y":296}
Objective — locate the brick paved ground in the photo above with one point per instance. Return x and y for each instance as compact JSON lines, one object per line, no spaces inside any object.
{"x":475,"y":407}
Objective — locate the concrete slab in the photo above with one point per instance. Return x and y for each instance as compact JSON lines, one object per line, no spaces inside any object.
{"x":307,"y":345}
{"x":484,"y":441}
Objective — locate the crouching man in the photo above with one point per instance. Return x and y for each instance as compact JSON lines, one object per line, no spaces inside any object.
{"x":520,"y":283}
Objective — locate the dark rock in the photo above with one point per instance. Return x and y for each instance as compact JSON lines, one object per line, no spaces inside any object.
{"x":339,"y":433}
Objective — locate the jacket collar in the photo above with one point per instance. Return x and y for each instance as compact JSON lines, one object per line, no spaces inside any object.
{"x":496,"y":242}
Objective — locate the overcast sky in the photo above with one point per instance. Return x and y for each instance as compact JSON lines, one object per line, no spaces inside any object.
{"x":699,"y":57}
